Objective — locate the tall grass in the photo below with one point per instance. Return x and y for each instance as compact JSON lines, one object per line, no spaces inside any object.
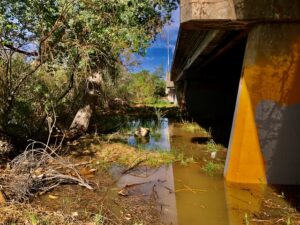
{"x":194,"y":128}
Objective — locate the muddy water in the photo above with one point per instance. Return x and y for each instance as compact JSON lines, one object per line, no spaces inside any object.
{"x":185,"y":194}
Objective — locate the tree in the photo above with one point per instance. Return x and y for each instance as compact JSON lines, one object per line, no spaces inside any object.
{"x":85,"y":37}
{"x":146,"y":87}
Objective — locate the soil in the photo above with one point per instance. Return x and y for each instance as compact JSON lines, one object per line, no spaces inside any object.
{"x":73,"y":204}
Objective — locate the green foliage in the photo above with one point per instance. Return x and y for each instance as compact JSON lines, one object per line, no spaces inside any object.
{"x":49,"y":48}
{"x":33,"y":219}
{"x":99,"y":218}
{"x":212,"y":168}
{"x":183,"y":159}
{"x":194,"y":128}
{"x":146,"y":88}
{"x":212,"y":146}
{"x":161,"y":103}
{"x":96,"y":31}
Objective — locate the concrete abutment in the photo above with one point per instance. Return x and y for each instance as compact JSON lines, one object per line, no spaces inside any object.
{"x":237,"y":70}
{"x":264,"y":143}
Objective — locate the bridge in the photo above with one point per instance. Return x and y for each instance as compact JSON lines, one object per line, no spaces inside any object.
{"x":237,"y":69}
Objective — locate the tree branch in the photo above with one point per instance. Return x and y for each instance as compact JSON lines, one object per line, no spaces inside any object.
{"x":20,"y":50}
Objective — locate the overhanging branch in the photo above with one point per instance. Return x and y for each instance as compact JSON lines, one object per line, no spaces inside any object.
{"x":20,"y":50}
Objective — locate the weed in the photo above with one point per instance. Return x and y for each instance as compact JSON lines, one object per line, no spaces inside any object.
{"x":212,"y":146}
{"x":156,"y":135}
{"x":103,"y":165}
{"x":164,"y":158}
{"x":194,"y":128}
{"x":33,"y":219}
{"x":159,"y":113}
{"x":99,"y":219}
{"x":22,"y":213}
{"x":127,"y":155}
{"x":246,"y":219}
{"x":212,"y":168}
{"x":183,"y":160}
{"x":160,"y":104}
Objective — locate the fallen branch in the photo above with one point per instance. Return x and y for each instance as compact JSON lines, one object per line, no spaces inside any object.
{"x":38,"y":170}
{"x":75,"y":165}
{"x":260,"y":221}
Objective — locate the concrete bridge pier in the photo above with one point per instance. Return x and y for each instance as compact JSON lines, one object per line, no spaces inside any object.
{"x":265,"y":137}
{"x":237,"y":63}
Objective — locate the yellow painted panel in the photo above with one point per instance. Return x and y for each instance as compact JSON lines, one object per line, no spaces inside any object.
{"x":271,"y":73}
{"x":246,"y":163}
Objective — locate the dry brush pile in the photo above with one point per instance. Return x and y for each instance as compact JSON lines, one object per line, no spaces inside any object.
{"x":38,"y":170}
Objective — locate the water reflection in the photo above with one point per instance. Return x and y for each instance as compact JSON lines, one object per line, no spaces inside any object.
{"x":159,"y":134}
{"x":185,"y":194}
{"x":156,"y":183}
{"x":242,"y":200}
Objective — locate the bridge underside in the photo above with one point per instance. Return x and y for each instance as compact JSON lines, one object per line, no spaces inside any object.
{"x":243,"y":81}
{"x":211,"y":92}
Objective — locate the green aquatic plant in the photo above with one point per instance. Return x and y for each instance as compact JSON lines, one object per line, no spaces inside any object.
{"x":211,"y":168}
{"x":164,"y":158}
{"x":211,"y":146}
{"x":183,"y":159}
{"x":159,"y":113}
{"x":156,"y":135}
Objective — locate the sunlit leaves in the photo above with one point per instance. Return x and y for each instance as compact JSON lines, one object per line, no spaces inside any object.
{"x":108,"y":27}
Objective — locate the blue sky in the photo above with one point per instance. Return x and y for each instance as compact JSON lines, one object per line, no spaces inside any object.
{"x":156,"y":55}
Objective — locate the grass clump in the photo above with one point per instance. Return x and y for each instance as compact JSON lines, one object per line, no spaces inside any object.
{"x":21,"y":213}
{"x":160,"y":158}
{"x":211,"y":168}
{"x":99,"y":219}
{"x":184,"y":160}
{"x":212,"y":146}
{"x":160,"y":103}
{"x":194,"y":128}
{"x":127,"y":156}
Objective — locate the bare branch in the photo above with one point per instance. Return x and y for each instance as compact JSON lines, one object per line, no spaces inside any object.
{"x":11,"y":47}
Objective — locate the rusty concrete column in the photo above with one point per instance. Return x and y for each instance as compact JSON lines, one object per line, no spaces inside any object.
{"x":265,"y":138}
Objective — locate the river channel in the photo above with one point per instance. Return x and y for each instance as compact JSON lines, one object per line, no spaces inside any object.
{"x":186,"y":194}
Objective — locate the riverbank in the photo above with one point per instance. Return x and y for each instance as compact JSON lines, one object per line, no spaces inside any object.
{"x":93,"y":158}
{"x":174,"y":176}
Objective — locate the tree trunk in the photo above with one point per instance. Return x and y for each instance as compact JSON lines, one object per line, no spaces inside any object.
{"x":82,"y":118}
